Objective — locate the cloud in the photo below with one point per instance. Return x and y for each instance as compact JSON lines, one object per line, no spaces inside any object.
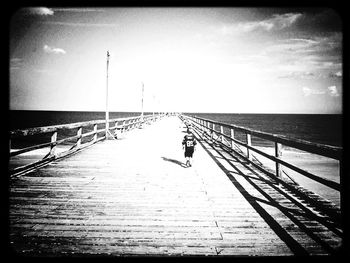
{"x":311,"y":54}
{"x":285,"y":20}
{"x":338,"y":74}
{"x":42,"y":11}
{"x":293,"y":45}
{"x":307,"y":91}
{"x":77,"y":10}
{"x":326,"y":46}
{"x":54,"y":50}
{"x":80,"y":24}
{"x":302,"y":75}
{"x":251,"y":26}
{"x":16,"y":63}
{"x":276,"y":22}
{"x":45,"y":71}
{"x":333,"y":91}
{"x":16,"y":60}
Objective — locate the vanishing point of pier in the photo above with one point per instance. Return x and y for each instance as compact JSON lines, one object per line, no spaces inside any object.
{"x":132,"y":195}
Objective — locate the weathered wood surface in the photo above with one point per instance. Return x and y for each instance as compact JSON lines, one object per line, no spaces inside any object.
{"x":133,"y":196}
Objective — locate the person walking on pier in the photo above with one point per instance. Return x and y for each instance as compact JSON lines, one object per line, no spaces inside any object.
{"x":188,"y":144}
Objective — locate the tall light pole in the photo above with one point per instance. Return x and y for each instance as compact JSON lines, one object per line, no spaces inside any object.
{"x":107,"y":112}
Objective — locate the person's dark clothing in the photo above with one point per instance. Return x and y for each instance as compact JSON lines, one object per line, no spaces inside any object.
{"x":189,"y":143}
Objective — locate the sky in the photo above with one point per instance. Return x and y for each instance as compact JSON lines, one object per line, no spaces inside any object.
{"x":230,"y":60}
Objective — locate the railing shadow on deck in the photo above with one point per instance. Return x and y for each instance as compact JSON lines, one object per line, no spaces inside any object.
{"x":290,"y":213}
{"x":330,"y":220}
{"x":231,"y":143}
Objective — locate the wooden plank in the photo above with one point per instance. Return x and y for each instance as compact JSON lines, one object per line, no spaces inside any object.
{"x":137,"y":201}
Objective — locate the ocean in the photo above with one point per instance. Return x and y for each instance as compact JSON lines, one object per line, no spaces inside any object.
{"x":27,"y":119}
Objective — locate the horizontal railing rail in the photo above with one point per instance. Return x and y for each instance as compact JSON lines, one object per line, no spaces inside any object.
{"x":209,"y":127}
{"x":121,"y":125}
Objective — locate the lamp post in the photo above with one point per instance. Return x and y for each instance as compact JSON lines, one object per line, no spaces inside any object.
{"x":107,"y":112}
{"x":108,"y":133}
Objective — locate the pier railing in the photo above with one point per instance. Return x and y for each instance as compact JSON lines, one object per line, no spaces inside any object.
{"x":92,"y":131}
{"x":219,"y":131}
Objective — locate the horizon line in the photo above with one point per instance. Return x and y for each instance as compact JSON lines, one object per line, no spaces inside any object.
{"x":184,"y":112}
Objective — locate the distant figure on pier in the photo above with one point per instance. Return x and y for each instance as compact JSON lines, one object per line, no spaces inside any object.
{"x":188,"y":144}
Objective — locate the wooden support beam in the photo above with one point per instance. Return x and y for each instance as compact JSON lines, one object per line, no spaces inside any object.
{"x":212,"y":132}
{"x":115,"y":128}
{"x":249,"y":143}
{"x":95,"y":133}
{"x":232,"y":136}
{"x":53,"y":143}
{"x":79,"y":138}
{"x":222,"y":132}
{"x":278,"y":154}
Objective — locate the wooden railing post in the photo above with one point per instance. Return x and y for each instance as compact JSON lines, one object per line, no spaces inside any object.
{"x":222,"y":132}
{"x":79,"y":138}
{"x":95,"y":132}
{"x":212,"y":132}
{"x":278,"y":154}
{"x":53,"y":145}
{"x":107,"y":128}
{"x":249,"y":143}
{"x":121,"y":127}
{"x":341,"y":182}
{"x":232,"y":136}
{"x":115,"y":128}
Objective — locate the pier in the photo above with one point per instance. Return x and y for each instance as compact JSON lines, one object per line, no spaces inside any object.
{"x":131,"y":194}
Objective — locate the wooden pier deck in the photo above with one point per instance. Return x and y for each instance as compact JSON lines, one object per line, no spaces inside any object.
{"x":133,"y":196}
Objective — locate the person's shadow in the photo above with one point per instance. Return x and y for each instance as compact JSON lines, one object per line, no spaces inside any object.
{"x":174,"y":161}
